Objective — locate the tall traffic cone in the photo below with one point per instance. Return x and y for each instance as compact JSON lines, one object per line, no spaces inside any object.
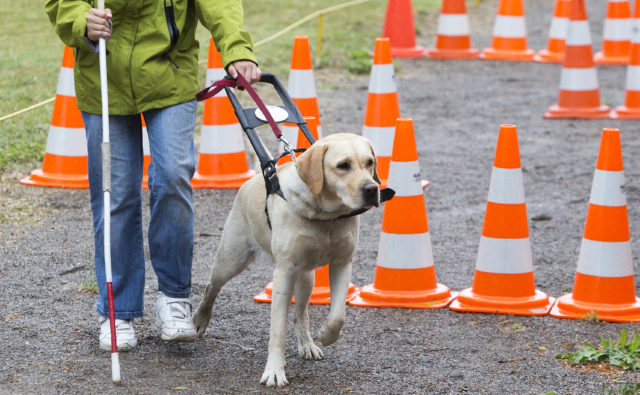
{"x":223,"y":161}
{"x":302,"y":85}
{"x":405,"y":275}
{"x":399,"y":28}
{"x":65,"y":157}
{"x":554,"y":53}
{"x":147,"y":154}
{"x":604,"y":282}
{"x":616,"y":37}
{"x":579,"y":95}
{"x":631,"y":107}
{"x":454,"y":37}
{"x":503,"y":282}
{"x":509,"y":40}
{"x":298,"y":140}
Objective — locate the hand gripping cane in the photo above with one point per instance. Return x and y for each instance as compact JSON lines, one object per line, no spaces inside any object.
{"x":106,"y":188}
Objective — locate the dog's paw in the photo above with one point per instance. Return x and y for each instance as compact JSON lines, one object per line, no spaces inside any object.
{"x":308,"y":350}
{"x":201,"y":321}
{"x":329,"y":335}
{"x":274,"y":377}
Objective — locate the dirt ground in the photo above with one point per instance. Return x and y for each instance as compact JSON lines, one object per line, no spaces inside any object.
{"x":48,"y":328}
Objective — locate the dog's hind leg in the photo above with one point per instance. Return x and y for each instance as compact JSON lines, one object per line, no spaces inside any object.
{"x":339,"y":277}
{"x":302,"y":291}
{"x":233,"y":256}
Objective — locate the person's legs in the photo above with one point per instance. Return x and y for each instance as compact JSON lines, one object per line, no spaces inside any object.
{"x":172,"y":166}
{"x":127,"y":249}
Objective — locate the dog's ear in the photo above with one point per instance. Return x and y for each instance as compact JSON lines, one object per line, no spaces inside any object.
{"x":376,"y":178}
{"x":310,"y":167}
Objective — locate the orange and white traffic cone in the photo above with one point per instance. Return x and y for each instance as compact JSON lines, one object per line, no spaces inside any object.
{"x":222,"y":162}
{"x":631,"y":107}
{"x":405,"y":275}
{"x":503,"y":282}
{"x":147,"y":154}
{"x":382,"y":107}
{"x":454,"y":36}
{"x":554,"y":53}
{"x":65,"y":157}
{"x":604,"y":282}
{"x":302,"y":85}
{"x":509,"y":40}
{"x":399,"y":28}
{"x":298,"y":140}
{"x":616,"y":37}
{"x":579,"y":95}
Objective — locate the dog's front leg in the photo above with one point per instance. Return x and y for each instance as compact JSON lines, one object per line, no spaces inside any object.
{"x":302,"y":290}
{"x":339,"y":277}
{"x":282,"y":291}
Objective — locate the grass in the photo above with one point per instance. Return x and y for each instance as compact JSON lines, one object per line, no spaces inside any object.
{"x":31,"y":54}
{"x":624,"y":353}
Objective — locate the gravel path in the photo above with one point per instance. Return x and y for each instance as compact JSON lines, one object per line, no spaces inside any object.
{"x":48,"y":331}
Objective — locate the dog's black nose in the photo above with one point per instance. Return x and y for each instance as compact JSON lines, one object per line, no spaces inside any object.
{"x":370,"y":193}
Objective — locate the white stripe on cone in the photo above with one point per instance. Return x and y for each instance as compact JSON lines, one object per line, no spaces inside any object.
{"x":145,"y":142}
{"x":453,"y":25}
{"x":221,"y":139}
{"x":405,"y":251}
{"x":214,"y":75}
{"x":559,"y":27}
{"x":66,"y":141}
{"x":381,"y":138}
{"x":608,"y":188}
{"x":404,"y":178}
{"x":506,"y":186}
{"x":578,"y":79}
{"x":617,"y":29}
{"x":633,"y":78}
{"x":635,"y":30}
{"x":605,"y":259}
{"x":66,"y":86}
{"x":579,"y":33}
{"x":382,"y":79}
{"x":301,"y":84}
{"x":509,"y":27}
{"x":508,"y":256}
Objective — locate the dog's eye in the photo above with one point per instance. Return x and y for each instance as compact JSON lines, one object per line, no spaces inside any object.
{"x":344,"y":166}
{"x":370,"y":163}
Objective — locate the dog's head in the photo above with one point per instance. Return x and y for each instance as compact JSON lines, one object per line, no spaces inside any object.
{"x":340,"y":170}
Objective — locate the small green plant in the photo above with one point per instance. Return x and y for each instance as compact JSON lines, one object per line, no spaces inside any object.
{"x":627,"y":389}
{"x":359,"y":62}
{"x":89,"y":285}
{"x":623,"y":353}
{"x":592,"y":317}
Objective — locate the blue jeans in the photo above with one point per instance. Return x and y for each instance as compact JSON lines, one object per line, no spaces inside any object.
{"x":170,"y":234}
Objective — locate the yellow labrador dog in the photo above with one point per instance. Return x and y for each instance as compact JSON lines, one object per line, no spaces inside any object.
{"x":311,"y":228}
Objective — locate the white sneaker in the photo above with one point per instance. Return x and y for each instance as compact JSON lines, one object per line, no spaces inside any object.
{"x":125,"y":334}
{"x":173,"y":315}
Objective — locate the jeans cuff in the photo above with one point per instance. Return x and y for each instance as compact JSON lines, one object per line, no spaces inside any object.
{"x":185,"y":294}
{"x":121,"y":315}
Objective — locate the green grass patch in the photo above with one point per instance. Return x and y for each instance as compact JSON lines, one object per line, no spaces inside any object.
{"x":623,"y":353}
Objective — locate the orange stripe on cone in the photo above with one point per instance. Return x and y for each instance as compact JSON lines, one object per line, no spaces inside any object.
{"x":405,"y":275}
{"x":631,"y":107}
{"x":453,"y":40}
{"x":503,"y":282}
{"x":509,"y":40}
{"x":222,"y":162}
{"x":66,"y":165}
{"x":604,"y":283}
{"x":399,"y":28}
{"x":616,"y":38}
{"x":554,"y":53}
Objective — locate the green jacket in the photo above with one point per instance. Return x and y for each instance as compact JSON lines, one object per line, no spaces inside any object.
{"x":144,"y":69}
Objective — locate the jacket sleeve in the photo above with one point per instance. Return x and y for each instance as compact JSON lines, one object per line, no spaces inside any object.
{"x":68,"y":18}
{"x":225,"y":20}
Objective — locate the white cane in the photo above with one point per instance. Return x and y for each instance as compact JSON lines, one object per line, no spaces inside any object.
{"x":106,"y":188}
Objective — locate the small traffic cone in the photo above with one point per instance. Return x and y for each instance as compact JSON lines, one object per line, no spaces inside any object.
{"x":579,"y":95}
{"x":616,"y":37}
{"x":503,"y":282}
{"x":604,"y":282}
{"x":405,"y":275}
{"x":301,"y":85}
{"x":554,"y":53}
{"x":454,"y":37}
{"x":298,"y":140}
{"x":147,"y":154}
{"x":509,"y":40}
{"x":223,"y":161}
{"x":399,"y":28}
{"x":631,"y":107}
{"x":65,"y":157}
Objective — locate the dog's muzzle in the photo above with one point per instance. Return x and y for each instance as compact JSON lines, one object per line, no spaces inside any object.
{"x":370,"y":193}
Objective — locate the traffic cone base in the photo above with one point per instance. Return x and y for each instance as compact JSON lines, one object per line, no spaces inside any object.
{"x":547,"y":56}
{"x":515,"y":56}
{"x":438,"y":296}
{"x":539,"y":304}
{"x":600,"y":59}
{"x":568,"y":307}
{"x":624,"y":112}
{"x":67,"y":165}
{"x":555,"y":112}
